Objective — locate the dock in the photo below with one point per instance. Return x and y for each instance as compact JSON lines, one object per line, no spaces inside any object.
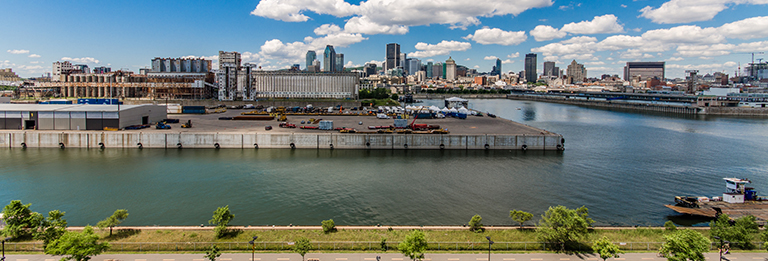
{"x":473,"y":133}
{"x":759,"y":209}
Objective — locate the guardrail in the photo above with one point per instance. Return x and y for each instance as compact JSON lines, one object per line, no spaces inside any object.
{"x":339,"y":245}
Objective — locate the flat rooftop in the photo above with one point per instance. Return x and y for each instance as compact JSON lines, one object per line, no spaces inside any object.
{"x":65,"y":107}
{"x":473,"y":125}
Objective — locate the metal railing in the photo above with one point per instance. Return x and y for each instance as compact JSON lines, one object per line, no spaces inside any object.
{"x":341,"y":245}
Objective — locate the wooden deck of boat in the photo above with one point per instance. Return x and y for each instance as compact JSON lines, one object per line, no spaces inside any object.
{"x":759,"y":209}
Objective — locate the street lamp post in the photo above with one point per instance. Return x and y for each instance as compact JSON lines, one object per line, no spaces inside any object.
{"x":253,"y":248}
{"x":5,"y":239}
{"x":720,"y":248}
{"x":489,"y":247}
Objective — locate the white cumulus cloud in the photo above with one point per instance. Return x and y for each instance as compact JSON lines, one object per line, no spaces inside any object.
{"x":18,"y":51}
{"x":750,"y":28}
{"x":514,"y":55}
{"x":34,"y":56}
{"x":442,"y":48}
{"x":80,"y":60}
{"x":327,"y":29}
{"x":497,"y":36}
{"x":546,"y":33}
{"x":490,"y":57}
{"x":686,"y":11}
{"x":394,"y":16}
{"x":605,"y":24}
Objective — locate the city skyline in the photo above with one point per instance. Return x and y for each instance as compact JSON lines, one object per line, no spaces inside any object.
{"x":711,"y":37}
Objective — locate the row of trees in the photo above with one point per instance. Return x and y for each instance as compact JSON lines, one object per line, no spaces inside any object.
{"x":21,"y":223}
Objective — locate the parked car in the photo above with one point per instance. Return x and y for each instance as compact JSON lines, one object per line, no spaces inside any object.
{"x":268,"y":127}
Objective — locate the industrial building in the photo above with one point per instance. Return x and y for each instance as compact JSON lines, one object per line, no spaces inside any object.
{"x":645,"y":70}
{"x":282,"y":84}
{"x":77,"y":116}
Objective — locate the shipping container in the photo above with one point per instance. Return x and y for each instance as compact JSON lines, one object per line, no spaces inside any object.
{"x":193,"y":109}
{"x":326,"y":125}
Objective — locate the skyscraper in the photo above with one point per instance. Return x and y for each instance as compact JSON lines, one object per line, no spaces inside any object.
{"x":549,"y":69}
{"x":329,"y":59}
{"x":437,"y":70}
{"x":497,"y":69}
{"x":530,"y":67}
{"x":403,"y":57}
{"x":429,"y":70}
{"x":311,"y":56}
{"x":339,"y":62}
{"x":576,"y":72}
{"x":393,"y":56}
{"x":450,"y":69}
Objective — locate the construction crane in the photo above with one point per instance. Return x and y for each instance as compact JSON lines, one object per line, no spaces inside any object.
{"x":751,"y":65}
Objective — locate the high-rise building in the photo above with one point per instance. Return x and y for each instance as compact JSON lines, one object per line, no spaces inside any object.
{"x":403,"y":58}
{"x":450,"y":69}
{"x":576,"y":72}
{"x":329,"y":59}
{"x":530,"y":68}
{"x":497,"y":68}
{"x":339,"y":62}
{"x":429,"y":70}
{"x":437,"y":70}
{"x":646,"y":70}
{"x":412,"y":65}
{"x":393,"y":56}
{"x":232,"y":58}
{"x":311,"y":56}
{"x":370,"y":69}
{"x":549,"y":69}
{"x":60,"y":68}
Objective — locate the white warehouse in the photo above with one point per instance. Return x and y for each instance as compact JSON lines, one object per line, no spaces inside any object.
{"x":305,"y":85}
{"x":77,"y":116}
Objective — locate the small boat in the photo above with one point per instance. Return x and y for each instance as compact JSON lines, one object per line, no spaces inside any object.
{"x":737,"y":201}
{"x":491,"y":115}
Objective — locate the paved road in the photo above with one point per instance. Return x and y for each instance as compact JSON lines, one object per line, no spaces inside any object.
{"x":759,"y":256}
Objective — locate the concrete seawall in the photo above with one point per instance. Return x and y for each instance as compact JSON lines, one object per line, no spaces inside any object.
{"x":173,"y":140}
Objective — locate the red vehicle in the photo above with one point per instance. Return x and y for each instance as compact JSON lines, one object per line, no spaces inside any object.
{"x":268,"y":127}
{"x":310,"y":127}
{"x":287,"y":125}
{"x":414,"y":126}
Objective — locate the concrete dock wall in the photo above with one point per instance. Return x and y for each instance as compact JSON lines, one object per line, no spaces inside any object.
{"x":172,"y":140}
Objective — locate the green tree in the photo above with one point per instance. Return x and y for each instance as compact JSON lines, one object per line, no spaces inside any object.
{"x":20,"y":221}
{"x":564,"y":226}
{"x":684,"y":245}
{"x":383,"y":244}
{"x":606,"y":248}
{"x":77,"y":246}
{"x":113,"y":220}
{"x":51,"y":228}
{"x":414,"y":245}
{"x":476,"y":224}
{"x":520,"y":216}
{"x":670,"y":226}
{"x":213,"y":253}
{"x":764,"y":238}
{"x":221,"y":218}
{"x":740,"y":233}
{"x":328,"y":226}
{"x":302,"y":246}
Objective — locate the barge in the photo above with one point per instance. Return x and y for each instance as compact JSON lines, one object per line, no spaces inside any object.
{"x":737,"y":201}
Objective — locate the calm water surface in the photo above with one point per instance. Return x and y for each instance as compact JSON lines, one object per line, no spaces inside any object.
{"x":623,"y":166}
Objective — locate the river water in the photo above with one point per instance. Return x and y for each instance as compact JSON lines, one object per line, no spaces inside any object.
{"x":624,"y":166}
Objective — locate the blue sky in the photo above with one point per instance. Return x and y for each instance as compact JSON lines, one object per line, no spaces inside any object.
{"x":711,"y":36}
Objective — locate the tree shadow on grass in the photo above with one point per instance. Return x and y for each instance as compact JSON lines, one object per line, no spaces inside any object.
{"x":232,"y":233}
{"x":123,"y":233}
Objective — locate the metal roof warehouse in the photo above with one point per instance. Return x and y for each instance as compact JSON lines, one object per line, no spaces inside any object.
{"x":77,"y":116}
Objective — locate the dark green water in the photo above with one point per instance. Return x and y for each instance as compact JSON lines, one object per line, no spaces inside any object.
{"x":623,"y":166}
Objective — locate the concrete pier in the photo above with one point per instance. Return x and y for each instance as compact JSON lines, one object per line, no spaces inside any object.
{"x":212,"y":140}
